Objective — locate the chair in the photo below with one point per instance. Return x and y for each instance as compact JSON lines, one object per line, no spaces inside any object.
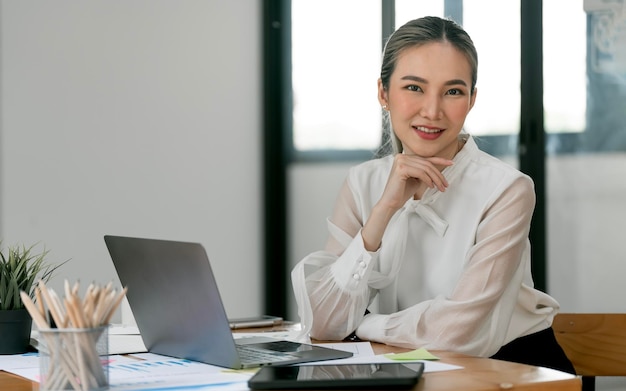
{"x":594,"y":343}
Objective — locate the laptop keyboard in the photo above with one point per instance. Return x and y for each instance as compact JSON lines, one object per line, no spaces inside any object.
{"x":253,"y":354}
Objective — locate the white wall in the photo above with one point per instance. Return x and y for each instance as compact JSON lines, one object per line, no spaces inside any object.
{"x":586,"y":226}
{"x":312,"y":192}
{"x":136,"y":118}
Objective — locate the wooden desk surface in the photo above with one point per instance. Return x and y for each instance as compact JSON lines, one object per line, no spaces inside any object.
{"x":487,"y":374}
{"x":478,"y":374}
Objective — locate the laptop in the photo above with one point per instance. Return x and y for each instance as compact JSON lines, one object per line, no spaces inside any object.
{"x":179,"y":312}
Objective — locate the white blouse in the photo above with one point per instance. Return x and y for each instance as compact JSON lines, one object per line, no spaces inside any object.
{"x":453,"y":270}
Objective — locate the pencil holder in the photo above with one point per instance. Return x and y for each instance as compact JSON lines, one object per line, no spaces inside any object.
{"x":74,"y":359}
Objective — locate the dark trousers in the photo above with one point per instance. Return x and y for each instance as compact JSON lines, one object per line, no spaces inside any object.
{"x":539,"y":349}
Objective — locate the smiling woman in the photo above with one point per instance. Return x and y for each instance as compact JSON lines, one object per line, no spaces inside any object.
{"x":428,"y":246}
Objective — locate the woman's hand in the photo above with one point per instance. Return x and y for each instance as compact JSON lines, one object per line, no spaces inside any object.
{"x":409,"y":174}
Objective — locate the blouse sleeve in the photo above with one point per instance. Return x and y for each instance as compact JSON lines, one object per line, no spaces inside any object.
{"x":331,"y":286}
{"x":474,"y":319}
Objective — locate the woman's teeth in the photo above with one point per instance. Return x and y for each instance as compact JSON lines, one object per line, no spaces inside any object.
{"x":427,"y":130}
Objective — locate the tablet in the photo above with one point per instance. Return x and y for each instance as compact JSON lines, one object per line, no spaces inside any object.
{"x":255,"y":321}
{"x":359,"y":376}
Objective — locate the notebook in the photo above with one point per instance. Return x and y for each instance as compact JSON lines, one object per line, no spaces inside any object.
{"x":174,"y":297}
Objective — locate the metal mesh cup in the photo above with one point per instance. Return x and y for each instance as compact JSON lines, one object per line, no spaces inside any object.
{"x":74,"y":359}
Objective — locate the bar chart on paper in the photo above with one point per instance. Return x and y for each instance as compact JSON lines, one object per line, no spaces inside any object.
{"x":162,"y":373}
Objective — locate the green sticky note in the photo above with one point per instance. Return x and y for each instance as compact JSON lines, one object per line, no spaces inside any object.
{"x":417,"y":354}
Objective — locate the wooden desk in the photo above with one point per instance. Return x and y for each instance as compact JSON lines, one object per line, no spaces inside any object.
{"x":478,"y":374}
{"x":487,"y":374}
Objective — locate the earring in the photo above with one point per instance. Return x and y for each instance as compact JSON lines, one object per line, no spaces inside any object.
{"x":385,"y":107}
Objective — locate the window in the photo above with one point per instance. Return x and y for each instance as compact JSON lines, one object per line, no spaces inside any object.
{"x":335,"y":104}
{"x":564,"y":66}
{"x":335,"y":65}
{"x":572,"y":55}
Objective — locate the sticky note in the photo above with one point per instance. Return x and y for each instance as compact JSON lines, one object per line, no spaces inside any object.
{"x":417,"y":354}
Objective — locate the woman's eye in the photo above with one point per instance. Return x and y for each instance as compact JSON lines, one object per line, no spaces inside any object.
{"x":455,"y":91}
{"x":413,"y":88}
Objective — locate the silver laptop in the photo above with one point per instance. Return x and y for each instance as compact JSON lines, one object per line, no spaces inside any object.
{"x":179,"y":312}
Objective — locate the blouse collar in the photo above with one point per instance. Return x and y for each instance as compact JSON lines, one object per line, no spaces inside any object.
{"x":422,"y":206}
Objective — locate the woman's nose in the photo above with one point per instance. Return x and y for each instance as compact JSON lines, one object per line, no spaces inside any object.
{"x":431,"y":107}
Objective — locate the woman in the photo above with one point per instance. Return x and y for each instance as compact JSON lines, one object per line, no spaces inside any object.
{"x":429,"y":246}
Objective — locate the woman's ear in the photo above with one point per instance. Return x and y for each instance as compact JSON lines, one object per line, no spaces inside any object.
{"x":473,"y":98}
{"x":382,"y":95}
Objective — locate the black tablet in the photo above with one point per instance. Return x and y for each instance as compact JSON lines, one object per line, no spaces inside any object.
{"x":255,"y":321}
{"x":360,"y":376}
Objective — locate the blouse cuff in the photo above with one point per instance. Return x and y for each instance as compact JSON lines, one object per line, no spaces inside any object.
{"x":353,"y":266}
{"x":372,"y":327}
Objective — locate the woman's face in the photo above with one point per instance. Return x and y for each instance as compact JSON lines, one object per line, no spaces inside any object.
{"x":428,"y":98}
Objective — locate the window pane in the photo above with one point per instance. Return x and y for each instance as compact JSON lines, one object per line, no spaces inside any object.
{"x":336,"y":64}
{"x":586,"y":189}
{"x":497,"y":40}
{"x":410,"y":9}
{"x":564,"y":65}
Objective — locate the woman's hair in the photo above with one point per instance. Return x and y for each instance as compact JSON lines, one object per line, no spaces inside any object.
{"x":414,"y":33}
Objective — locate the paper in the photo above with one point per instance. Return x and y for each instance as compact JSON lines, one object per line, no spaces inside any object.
{"x":27,"y":365}
{"x":123,"y":344}
{"x":123,"y":329}
{"x":371,"y":358}
{"x":361,"y":349}
{"x":417,"y":354}
{"x":289,"y":335}
{"x":149,"y":371}
{"x":122,"y":340}
{"x":14,"y":361}
{"x":157,"y":373}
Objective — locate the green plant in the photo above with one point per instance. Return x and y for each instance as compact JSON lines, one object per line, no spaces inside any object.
{"x":20,"y":268}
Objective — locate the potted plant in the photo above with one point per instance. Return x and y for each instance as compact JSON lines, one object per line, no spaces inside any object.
{"x":20,"y":268}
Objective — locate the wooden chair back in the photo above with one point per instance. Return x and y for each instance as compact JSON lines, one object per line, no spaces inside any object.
{"x":595,"y":343}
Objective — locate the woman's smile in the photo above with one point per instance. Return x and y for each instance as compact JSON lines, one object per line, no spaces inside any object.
{"x":428,"y":133}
